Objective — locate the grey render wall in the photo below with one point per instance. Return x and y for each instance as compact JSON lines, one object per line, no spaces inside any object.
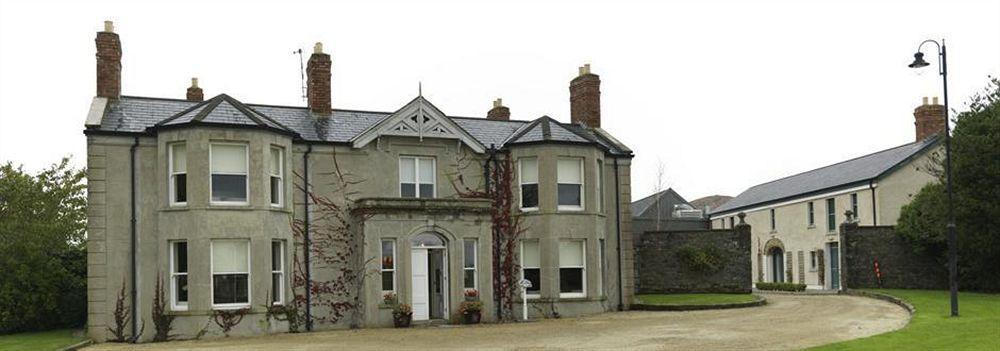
{"x":901,"y":267}
{"x":661,"y":268}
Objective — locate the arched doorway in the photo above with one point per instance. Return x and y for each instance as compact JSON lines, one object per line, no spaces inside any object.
{"x":429,"y":276}
{"x":777,"y":264}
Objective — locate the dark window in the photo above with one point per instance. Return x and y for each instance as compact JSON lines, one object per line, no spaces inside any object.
{"x":180,"y":188}
{"x":277,"y":271}
{"x":731,"y":221}
{"x":534,"y":276}
{"x":178,"y":173}
{"x":772,"y":220}
{"x":276,"y":173}
{"x":529,"y":195}
{"x":469,"y":263}
{"x":275,"y":190}
{"x":854,"y":206}
{"x":570,"y":182}
{"x":812,"y":217}
{"x":831,"y":215}
{"x":571,"y":268}
{"x":230,"y":288}
{"x":571,"y":280}
{"x":179,"y":273}
{"x":529,"y":182}
{"x":569,"y":194}
{"x":229,"y":187}
{"x":388,"y":265}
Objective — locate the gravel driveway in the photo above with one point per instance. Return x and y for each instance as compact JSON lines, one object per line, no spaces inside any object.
{"x":787,"y":322}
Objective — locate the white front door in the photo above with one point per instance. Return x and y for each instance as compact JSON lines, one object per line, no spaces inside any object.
{"x":419,"y":288}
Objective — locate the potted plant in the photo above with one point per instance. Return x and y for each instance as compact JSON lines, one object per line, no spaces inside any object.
{"x":471,"y":311}
{"x":402,"y":315}
{"x":471,"y":295}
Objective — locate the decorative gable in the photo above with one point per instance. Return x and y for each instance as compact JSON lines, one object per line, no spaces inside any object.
{"x":419,"y":119}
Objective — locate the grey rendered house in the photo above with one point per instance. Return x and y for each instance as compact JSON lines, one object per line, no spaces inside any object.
{"x":203,"y":193}
{"x":795,"y":220}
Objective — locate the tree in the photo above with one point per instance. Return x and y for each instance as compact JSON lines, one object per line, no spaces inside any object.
{"x":975,"y":161}
{"x":42,"y":250}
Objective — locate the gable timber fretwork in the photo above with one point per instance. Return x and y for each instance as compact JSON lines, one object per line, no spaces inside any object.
{"x":418,"y":119}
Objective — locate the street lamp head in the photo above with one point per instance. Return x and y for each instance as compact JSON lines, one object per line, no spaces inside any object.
{"x":918,"y":61}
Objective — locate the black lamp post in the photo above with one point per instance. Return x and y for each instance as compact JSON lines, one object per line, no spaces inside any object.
{"x":918,"y":62}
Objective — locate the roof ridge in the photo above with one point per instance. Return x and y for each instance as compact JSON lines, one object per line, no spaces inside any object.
{"x":842,"y":162}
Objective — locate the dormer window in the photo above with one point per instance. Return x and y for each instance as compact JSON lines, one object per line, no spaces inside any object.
{"x":178,"y":174}
{"x":570,"y":178}
{"x":416,"y":177}
{"x":229,"y":173}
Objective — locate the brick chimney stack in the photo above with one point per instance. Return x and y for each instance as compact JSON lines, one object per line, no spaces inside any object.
{"x":109,"y":62}
{"x":318,"y":81}
{"x":585,"y":98}
{"x":499,"y":112}
{"x":929,"y":119}
{"x":194,"y":93}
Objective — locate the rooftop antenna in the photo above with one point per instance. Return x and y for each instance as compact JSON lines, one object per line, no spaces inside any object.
{"x":420,"y":88}
{"x":302,"y":72}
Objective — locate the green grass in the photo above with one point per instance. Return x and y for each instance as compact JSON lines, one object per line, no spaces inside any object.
{"x":694,"y":299}
{"x":977,"y":327}
{"x":46,"y":340}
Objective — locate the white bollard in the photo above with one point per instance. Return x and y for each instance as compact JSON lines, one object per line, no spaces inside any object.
{"x":525,"y":284}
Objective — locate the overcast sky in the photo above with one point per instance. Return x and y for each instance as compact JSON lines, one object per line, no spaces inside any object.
{"x":725,"y":94}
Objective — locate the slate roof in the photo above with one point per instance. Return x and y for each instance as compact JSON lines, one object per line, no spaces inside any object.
{"x":855,"y":171}
{"x":639,"y":207}
{"x":133,"y":115}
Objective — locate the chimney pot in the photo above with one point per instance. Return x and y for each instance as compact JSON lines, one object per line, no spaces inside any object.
{"x":318,"y":81}
{"x":585,"y":98}
{"x":925,"y":100}
{"x":194,"y":93}
{"x":109,"y":62}
{"x":935,"y":99}
{"x":499,"y":112}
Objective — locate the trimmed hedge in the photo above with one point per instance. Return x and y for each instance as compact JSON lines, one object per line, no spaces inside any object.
{"x":781,"y":286}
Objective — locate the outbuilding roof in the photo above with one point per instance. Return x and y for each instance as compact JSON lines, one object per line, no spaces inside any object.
{"x":843,"y":174}
{"x":146,"y":115}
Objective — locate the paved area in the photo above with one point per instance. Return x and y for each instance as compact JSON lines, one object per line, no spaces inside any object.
{"x":787,"y":322}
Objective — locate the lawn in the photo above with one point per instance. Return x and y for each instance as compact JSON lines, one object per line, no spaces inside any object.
{"x":977,"y":328}
{"x":46,"y":340}
{"x":694,"y":299}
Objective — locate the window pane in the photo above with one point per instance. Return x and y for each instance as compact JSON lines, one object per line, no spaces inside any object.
{"x":534,"y":276}
{"x":387,"y":281}
{"x":470,"y":254}
{"x":275,"y":161}
{"x":182,"y":288}
{"x":408,"y":190}
{"x":571,"y":254}
{"x":569,"y":194}
{"x":427,"y":239}
{"x":179,"y":161}
{"x":529,"y":195}
{"x":426,"y":190}
{"x":229,"y":256}
{"x":387,"y":253}
{"x":530,"y":252}
{"x":229,"y":187}
{"x":229,"y":158}
{"x":180,"y":188}
{"x":571,"y":280}
{"x":470,"y":279}
{"x":426,"y":170}
{"x":276,"y":287}
{"x":180,"y":257}
{"x":569,"y":170}
{"x":275,"y":190}
{"x":407,"y":170}
{"x":229,"y":288}
{"x":276,"y":260}
{"x":529,"y":170}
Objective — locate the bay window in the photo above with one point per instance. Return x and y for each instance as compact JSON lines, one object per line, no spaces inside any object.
{"x":178,"y":173}
{"x":531,"y":268}
{"x":416,"y":177}
{"x":572,"y":271}
{"x":178,"y":276}
{"x":229,"y":173}
{"x":230,"y":273}
{"x":528,"y":176}
{"x":276,"y":173}
{"x":570,"y":183}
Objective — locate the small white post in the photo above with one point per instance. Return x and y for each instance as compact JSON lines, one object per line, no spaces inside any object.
{"x":525,"y":284}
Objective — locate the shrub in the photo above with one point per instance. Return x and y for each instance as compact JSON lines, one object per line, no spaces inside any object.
{"x":781,"y":286}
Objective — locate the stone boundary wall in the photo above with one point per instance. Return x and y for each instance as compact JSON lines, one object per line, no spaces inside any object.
{"x":901,"y":268}
{"x":663,"y":266}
